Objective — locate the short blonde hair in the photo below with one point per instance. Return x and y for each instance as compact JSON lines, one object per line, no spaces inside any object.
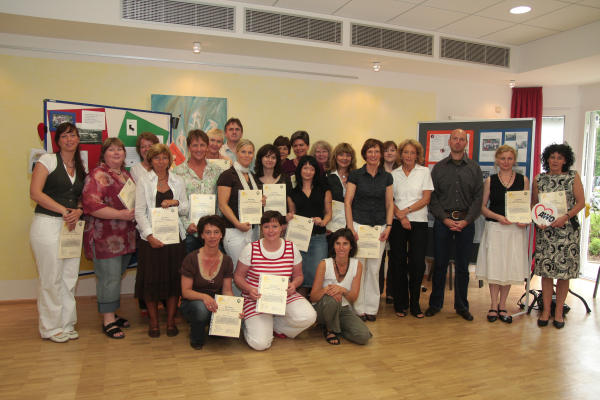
{"x":216,"y":132}
{"x":339,"y":149}
{"x":159,"y":148}
{"x":503,"y":149}
{"x":242,"y":143}
{"x":416,"y":145}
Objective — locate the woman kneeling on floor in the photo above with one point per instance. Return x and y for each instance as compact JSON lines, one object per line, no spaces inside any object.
{"x":336,"y":286}
{"x":205,"y":272}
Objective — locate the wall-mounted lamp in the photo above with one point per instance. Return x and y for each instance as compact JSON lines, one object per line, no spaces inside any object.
{"x":197,"y":47}
{"x":511,"y":84}
{"x":376,"y":66}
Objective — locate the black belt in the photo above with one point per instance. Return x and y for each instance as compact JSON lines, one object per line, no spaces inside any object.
{"x":456,"y":215}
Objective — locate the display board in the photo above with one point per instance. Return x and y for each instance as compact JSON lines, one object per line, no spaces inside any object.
{"x":97,"y":122}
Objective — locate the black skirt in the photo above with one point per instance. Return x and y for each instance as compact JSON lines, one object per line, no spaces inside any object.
{"x":158,"y":276}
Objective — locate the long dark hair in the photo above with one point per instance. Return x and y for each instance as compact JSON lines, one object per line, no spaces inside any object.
{"x":310,"y":160}
{"x":67,"y":127}
{"x":264,"y":151}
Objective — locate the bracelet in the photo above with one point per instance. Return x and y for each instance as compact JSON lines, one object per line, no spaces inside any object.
{"x":388,"y":224}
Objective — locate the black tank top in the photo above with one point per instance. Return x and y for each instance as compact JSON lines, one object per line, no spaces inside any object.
{"x":497,"y":193}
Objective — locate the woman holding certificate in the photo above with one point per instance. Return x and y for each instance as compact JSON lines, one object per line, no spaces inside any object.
{"x":56,"y":187}
{"x":369,"y":206}
{"x":502,"y":258}
{"x":199,"y":177}
{"x":238,"y":233}
{"x":205,"y":273}
{"x":390,"y":163}
{"x":412,"y":193}
{"x":336,"y":287}
{"x":142,"y":145}
{"x":216,"y":137}
{"x":557,"y":245}
{"x":161,"y":248}
{"x":267,"y":257}
{"x":268,"y":167}
{"x":311,"y":198}
{"x":343,"y":161}
{"x":109,"y":236}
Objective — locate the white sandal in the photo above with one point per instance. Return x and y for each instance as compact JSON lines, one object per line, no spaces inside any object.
{"x":72,"y":334}
{"x":60,"y":337}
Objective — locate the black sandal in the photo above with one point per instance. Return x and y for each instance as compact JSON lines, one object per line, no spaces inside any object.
{"x":122,"y":322}
{"x":504,"y":318}
{"x":334,"y":340}
{"x":492,"y":318}
{"x":112,"y":330}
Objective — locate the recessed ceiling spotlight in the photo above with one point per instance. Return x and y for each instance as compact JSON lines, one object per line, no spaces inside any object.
{"x":520,"y":10}
{"x":376,"y":66}
{"x":197,"y":48}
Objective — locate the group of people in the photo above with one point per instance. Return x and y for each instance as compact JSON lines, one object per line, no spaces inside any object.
{"x":220,"y":254}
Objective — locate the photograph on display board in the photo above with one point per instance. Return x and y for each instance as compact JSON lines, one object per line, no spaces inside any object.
{"x":488,"y":144}
{"x":55,"y":118}
{"x":193,"y":112}
{"x":437,"y":147}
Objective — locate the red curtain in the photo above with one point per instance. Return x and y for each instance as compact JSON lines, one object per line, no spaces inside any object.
{"x":528,"y":103}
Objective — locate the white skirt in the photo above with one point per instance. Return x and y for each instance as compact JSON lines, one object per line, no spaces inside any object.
{"x":502,"y":257}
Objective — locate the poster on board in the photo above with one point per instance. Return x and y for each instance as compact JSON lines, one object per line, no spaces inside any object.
{"x":437,"y":147}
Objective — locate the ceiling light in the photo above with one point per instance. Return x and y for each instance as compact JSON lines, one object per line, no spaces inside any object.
{"x":197,"y":48}
{"x":520,"y":10}
{"x":376,"y":66}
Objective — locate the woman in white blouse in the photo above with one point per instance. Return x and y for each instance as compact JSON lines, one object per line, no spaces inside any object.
{"x":412,"y":192}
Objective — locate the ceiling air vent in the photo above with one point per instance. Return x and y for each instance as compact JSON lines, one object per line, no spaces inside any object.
{"x":474,"y":52}
{"x":179,"y":13}
{"x":294,"y":26}
{"x":389,"y":39}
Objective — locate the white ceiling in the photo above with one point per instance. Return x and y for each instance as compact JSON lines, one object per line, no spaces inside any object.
{"x":488,"y":20}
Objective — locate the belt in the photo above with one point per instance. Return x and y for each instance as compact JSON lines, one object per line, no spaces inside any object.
{"x":456,"y":215}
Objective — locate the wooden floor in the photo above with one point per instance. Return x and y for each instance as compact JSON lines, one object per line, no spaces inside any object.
{"x":443,"y":357}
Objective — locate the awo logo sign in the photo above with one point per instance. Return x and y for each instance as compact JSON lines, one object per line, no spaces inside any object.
{"x":543,"y":214}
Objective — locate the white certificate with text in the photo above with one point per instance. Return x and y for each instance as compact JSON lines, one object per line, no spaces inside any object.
{"x":69,"y":245}
{"x":250,"y":206}
{"x":201,"y":205}
{"x":276,"y":197}
{"x":368,"y":241}
{"x":273,"y":294}
{"x":338,"y":216}
{"x":226,"y":320}
{"x":558,"y":200}
{"x":127,"y":194}
{"x":518,"y":205}
{"x":299,"y":231}
{"x":165,"y":224}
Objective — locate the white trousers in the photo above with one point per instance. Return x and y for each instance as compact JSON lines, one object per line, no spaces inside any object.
{"x":57,"y":277}
{"x":258,"y":330}
{"x":369,"y":296}
{"x":234,"y":242}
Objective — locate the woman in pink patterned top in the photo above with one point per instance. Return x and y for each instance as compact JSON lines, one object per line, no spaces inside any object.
{"x":272,"y":256}
{"x":109,"y":236}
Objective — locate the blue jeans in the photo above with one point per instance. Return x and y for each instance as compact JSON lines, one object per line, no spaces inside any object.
{"x":195,"y":312}
{"x":463,"y":247}
{"x":317,"y":251}
{"x":108,"y":281}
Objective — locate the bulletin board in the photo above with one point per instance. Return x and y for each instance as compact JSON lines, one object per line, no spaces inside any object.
{"x":97,"y":122}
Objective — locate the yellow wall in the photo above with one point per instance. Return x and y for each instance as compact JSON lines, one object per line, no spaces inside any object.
{"x":267,"y":106}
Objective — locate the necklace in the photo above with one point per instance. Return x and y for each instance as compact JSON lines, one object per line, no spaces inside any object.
{"x":337,"y":270}
{"x":507,"y":183}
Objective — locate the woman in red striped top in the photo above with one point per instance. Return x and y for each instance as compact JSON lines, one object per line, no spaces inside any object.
{"x":273,"y":256}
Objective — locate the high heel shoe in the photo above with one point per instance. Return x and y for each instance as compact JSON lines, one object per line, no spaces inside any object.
{"x":504,"y":318}
{"x":492,"y":318}
{"x":558,"y":325}
{"x":542,"y":322}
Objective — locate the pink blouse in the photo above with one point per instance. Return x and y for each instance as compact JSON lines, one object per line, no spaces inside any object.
{"x":106,"y":238}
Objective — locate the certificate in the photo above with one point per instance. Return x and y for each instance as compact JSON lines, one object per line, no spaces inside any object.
{"x":219,"y":162}
{"x":273,"y":294}
{"x":69,"y":245}
{"x":250,"y":206}
{"x":165,"y":224}
{"x":276,"y":197}
{"x":127,"y":194}
{"x":226,"y":320}
{"x":558,"y":200}
{"x":517,"y":206}
{"x":299,"y":231}
{"x":368,"y":241}
{"x":201,"y":205}
{"x":338,"y":216}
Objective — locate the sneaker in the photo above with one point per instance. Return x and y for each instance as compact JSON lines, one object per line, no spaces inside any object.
{"x":72,"y":334}
{"x":60,"y":337}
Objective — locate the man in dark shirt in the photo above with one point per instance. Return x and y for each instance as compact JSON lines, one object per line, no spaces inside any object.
{"x":455,"y":204}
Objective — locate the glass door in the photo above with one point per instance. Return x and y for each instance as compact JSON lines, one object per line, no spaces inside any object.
{"x":590,"y":234}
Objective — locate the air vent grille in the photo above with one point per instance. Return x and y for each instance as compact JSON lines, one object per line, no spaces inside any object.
{"x":474,"y":52}
{"x":179,"y":13}
{"x":293,"y":26}
{"x":390,"y":39}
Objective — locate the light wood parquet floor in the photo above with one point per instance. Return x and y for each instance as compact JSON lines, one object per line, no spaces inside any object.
{"x":443,"y":357}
